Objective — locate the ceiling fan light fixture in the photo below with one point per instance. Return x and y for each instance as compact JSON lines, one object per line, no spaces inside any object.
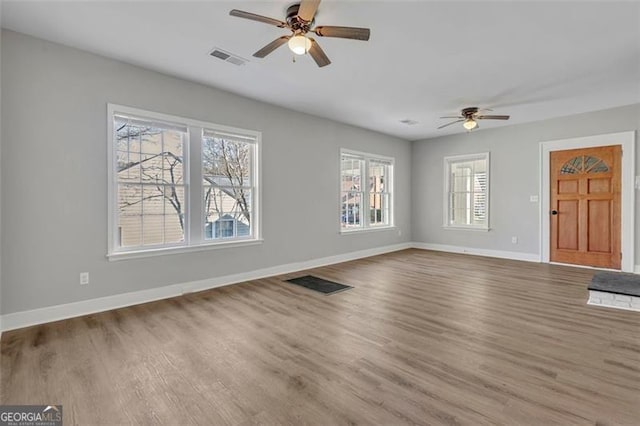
{"x":470,"y":124}
{"x":299,"y":44}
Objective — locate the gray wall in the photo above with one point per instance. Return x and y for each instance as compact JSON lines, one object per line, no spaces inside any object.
{"x":54,"y":177}
{"x":515,"y":175}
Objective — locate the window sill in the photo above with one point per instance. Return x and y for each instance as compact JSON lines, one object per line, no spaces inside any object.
{"x":465,"y":228}
{"x":138,"y":254}
{"x":365,"y":230}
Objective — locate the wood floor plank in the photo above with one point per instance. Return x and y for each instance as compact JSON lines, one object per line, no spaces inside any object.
{"x":422,"y":338}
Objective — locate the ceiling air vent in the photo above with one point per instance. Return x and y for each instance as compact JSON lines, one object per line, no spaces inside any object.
{"x":227,"y":57}
{"x":408,"y":122}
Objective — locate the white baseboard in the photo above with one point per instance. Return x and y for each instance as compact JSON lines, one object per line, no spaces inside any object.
{"x":512,"y":255}
{"x":69,"y":310}
{"x":636,"y":270}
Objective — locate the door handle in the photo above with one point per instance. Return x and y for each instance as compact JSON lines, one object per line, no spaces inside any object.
{"x":554,"y":212}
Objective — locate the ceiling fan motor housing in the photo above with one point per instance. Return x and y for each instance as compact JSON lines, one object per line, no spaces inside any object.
{"x":469,"y":112}
{"x":297,"y":24}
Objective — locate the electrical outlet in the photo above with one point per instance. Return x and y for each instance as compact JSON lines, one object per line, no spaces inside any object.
{"x":533,"y":198}
{"x":399,"y":232}
{"x":84,"y":278}
{"x":514,"y":240}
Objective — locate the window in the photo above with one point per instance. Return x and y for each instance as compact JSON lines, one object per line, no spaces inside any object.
{"x":584,"y":164}
{"x":467,"y":191}
{"x":158,"y":200}
{"x":366,"y":183}
{"x":226,"y":170}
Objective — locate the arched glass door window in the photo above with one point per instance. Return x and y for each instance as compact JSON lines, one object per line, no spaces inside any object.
{"x":584,"y":164}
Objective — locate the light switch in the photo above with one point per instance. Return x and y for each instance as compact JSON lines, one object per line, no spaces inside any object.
{"x":637,"y":182}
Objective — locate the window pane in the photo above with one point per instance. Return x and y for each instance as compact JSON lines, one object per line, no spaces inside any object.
{"x":227,"y":180}
{"x":226,"y":162}
{"x":378,"y":196}
{"x":173,"y":157}
{"x":149,"y":154}
{"x":377,"y":176}
{"x":351,"y":208}
{"x":130,"y":215}
{"x":174,"y":215}
{"x":351,"y":176}
{"x":479,"y":207}
{"x":228,"y":212}
{"x":162,"y":214}
{"x":152,"y":216}
{"x":379,"y":209}
{"x":151,"y":140}
{"x":128,"y":163}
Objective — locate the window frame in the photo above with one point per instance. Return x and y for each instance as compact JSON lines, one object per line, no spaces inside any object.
{"x":448,"y":161}
{"x":366,"y":207}
{"x":194,"y":237}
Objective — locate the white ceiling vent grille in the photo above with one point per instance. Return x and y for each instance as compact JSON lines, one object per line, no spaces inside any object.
{"x":227,"y":57}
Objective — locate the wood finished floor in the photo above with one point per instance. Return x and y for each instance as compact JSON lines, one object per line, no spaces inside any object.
{"x":423,"y":338}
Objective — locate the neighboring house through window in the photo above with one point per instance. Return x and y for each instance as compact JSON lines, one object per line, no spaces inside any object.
{"x":160,"y":198}
{"x":366,"y":187}
{"x":467,"y":191}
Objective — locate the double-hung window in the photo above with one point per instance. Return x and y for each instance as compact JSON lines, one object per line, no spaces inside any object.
{"x":179,"y":184}
{"x":228,"y":184}
{"x":467,"y":191}
{"x":366,"y":187}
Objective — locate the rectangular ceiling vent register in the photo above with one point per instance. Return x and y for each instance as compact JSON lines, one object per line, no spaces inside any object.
{"x":227,"y":57}
{"x":409,"y":122}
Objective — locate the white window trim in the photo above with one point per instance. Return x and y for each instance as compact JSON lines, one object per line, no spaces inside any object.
{"x":194,"y":239}
{"x":366,"y":227}
{"x":447,"y":172}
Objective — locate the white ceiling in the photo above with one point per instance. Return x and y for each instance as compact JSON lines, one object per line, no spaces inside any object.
{"x":533,"y":60}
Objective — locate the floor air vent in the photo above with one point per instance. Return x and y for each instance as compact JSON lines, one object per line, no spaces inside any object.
{"x":227,"y":57}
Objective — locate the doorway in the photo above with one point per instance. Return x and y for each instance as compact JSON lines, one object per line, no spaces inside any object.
{"x":587,"y":201}
{"x":585,"y":206}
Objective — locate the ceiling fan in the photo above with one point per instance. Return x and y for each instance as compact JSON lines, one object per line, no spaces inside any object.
{"x":300,"y":21}
{"x":470,"y":116}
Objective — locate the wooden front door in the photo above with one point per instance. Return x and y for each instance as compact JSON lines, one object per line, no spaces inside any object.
{"x":585,"y":206}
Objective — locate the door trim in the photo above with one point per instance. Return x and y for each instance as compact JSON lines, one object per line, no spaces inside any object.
{"x":627,"y":140}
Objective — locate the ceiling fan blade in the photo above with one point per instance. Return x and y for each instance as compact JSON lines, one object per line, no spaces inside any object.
{"x":492,"y":117}
{"x":449,"y":124}
{"x":318,"y":54}
{"x":271,"y":46}
{"x":259,"y":18}
{"x":452,"y":116}
{"x":343,"y":32}
{"x":308,"y":9}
